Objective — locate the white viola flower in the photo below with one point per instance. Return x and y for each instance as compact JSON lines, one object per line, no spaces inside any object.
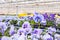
{"x":27,"y":27}
{"x":36,"y":34}
{"x":12,"y":30}
{"x":9,"y":18}
{"x":15,"y":37}
{"x":18,"y":22}
{"x":57,"y":36}
{"x":20,"y":31}
{"x":28,"y":30}
{"x":51,"y":30}
{"x":47,"y":37}
{"x":1,"y":19}
{"x":22,"y":37}
{"x":34,"y":37}
{"x":3,"y":27}
{"x":18,"y":37}
{"x":6,"y":38}
{"x":26,"y":24}
{"x":43,"y":22}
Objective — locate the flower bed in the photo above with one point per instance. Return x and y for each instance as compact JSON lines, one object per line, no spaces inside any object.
{"x":31,"y":26}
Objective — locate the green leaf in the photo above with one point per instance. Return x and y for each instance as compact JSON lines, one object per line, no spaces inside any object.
{"x":3,"y":20}
{"x":58,"y":25}
{"x":14,"y":22}
{"x":7,"y":32}
{"x":32,"y":22}
{"x":50,"y":23}
{"x":21,"y":22}
{"x":0,"y":34}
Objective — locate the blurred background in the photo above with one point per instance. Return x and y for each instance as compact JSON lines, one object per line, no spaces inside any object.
{"x":14,"y":7}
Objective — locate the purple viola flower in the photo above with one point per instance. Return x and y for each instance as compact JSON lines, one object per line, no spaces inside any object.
{"x":35,"y":13}
{"x":0,"y":38}
{"x":49,"y":39}
{"x":26,"y":25}
{"x":30,"y":18}
{"x":13,"y":33}
{"x":27,"y":30}
{"x":38,"y":18}
{"x":45,"y":16}
{"x":52,"y":16}
{"x":37,"y":31}
{"x":20,"y":31}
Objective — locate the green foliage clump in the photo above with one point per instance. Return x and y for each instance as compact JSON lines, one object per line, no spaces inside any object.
{"x":3,"y":20}
{"x":32,"y":22}
{"x":58,"y":25}
{"x":14,"y":22}
{"x":20,"y":23}
{"x":6,"y":33}
{"x":44,"y":32}
{"x":0,"y":34}
{"x":50,"y":23}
